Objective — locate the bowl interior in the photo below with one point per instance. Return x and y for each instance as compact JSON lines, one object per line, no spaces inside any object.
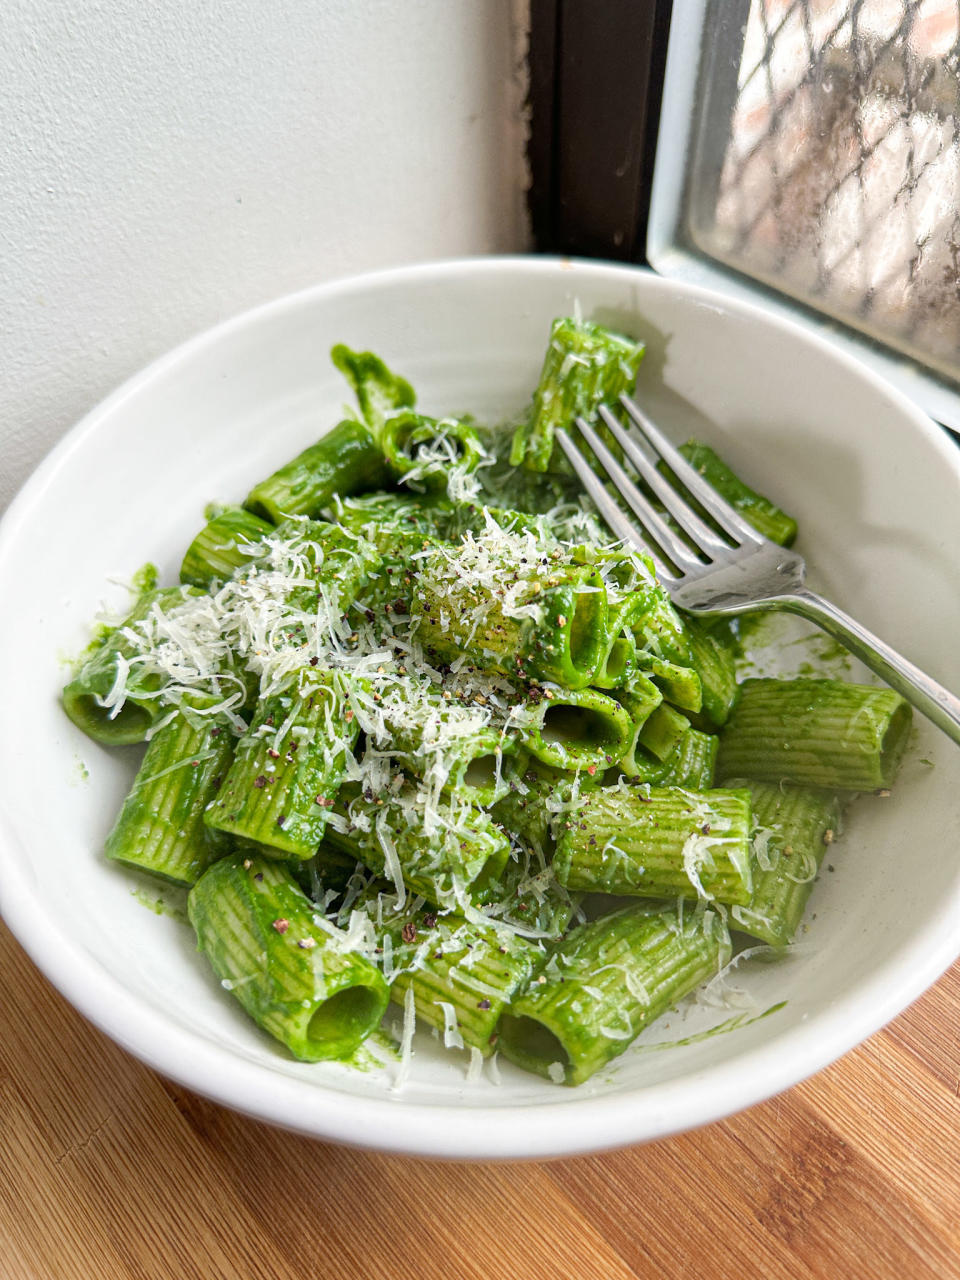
{"x":875,"y":488}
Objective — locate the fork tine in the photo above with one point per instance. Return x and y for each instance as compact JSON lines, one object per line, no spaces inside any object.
{"x":726,"y":517}
{"x":646,"y":513}
{"x":706,"y":538}
{"x":607,"y":506}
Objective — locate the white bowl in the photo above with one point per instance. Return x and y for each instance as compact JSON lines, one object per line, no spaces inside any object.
{"x":876,"y":488}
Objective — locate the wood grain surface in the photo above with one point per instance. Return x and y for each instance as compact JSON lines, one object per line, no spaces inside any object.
{"x":108,"y":1172}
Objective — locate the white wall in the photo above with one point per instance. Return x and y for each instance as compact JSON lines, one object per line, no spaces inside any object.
{"x":165,"y":165}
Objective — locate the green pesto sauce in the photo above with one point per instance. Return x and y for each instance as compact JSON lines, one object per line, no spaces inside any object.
{"x":80,"y":771}
{"x":830,"y":652}
{"x":752,"y":631}
{"x":767,"y":644}
{"x":168,"y":902}
{"x":730,"y":1024}
{"x":145,"y":579}
{"x":373,"y":1055}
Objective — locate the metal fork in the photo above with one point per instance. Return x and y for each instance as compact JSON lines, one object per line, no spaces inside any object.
{"x":712,"y":574}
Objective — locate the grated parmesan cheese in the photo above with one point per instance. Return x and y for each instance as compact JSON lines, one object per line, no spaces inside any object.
{"x":452,"y":1039}
{"x":406,"y":1039}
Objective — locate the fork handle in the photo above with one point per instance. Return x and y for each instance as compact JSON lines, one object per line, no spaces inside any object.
{"x":933,"y":700}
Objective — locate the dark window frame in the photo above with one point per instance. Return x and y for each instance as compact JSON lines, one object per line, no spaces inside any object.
{"x":596,"y":82}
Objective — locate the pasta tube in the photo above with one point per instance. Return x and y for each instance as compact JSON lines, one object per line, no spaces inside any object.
{"x":603,"y":983}
{"x":585,"y":366}
{"x":346,"y":460}
{"x":511,"y":607}
{"x":455,"y":857}
{"x":680,"y":685}
{"x":231,"y":537}
{"x":691,"y":763}
{"x":765,"y":516}
{"x":662,"y":731}
{"x":160,"y":828}
{"x":815,"y":733}
{"x":111,"y":671}
{"x":579,"y":729}
{"x":295,"y":979}
{"x":618,"y":664}
{"x":288,"y":768}
{"x":658,"y":842}
{"x":463,"y":975}
{"x":423,"y":451}
{"x":793,"y":828}
{"x":378,"y":516}
{"x":712,"y":657}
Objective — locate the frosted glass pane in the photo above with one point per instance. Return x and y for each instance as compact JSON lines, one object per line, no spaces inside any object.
{"x":826,"y":162}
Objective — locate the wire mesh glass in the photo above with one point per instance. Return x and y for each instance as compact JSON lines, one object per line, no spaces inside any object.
{"x":827,"y":163}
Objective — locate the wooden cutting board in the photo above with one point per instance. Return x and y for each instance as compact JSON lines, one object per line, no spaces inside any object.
{"x":108,"y":1172}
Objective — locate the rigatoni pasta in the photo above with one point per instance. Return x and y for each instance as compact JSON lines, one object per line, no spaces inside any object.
{"x":604,"y":982}
{"x":296,"y":979}
{"x":161,"y":827}
{"x":420,"y":731}
{"x":658,"y":842}
{"x":816,"y":733}
{"x":794,"y":828}
{"x":288,"y":768}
